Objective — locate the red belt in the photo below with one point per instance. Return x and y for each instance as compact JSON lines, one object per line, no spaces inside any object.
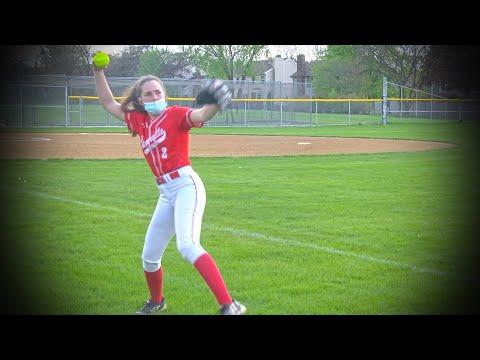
{"x":173,"y":175}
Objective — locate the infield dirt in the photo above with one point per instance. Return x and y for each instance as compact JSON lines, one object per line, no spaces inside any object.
{"x":123,"y":146}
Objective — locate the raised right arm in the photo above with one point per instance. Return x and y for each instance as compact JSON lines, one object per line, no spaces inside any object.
{"x":105,"y":94}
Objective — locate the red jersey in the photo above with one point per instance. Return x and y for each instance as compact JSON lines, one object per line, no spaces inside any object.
{"x":165,"y":139}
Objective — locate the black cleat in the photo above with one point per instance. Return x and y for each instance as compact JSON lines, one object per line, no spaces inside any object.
{"x":151,"y":307}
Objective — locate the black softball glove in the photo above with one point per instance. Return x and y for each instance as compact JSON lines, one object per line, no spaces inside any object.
{"x":214,"y":92}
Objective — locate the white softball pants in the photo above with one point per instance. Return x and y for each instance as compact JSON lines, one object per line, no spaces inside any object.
{"x":179,"y":211}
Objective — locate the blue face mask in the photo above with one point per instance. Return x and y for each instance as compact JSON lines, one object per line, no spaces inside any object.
{"x":155,"y":107}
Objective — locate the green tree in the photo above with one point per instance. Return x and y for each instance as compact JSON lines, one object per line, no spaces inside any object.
{"x":338,"y":72}
{"x":127,"y":63}
{"x":226,"y":61}
{"x":18,"y":60}
{"x":401,"y":64}
{"x":52,"y":59}
{"x":66,"y":59}
{"x":162,"y":62}
{"x":339,"y":51}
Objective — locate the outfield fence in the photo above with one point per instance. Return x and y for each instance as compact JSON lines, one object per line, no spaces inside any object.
{"x":407,"y":102}
{"x":58,"y":101}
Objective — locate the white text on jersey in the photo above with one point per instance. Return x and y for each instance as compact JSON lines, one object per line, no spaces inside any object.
{"x":153,"y":141}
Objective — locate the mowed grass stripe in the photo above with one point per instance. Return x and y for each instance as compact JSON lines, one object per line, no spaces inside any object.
{"x":240,"y":232}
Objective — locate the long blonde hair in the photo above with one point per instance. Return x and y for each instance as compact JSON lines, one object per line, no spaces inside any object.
{"x":134,"y":91}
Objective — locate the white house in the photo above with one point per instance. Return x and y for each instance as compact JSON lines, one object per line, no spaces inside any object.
{"x":276,"y":77}
{"x":276,"y":69}
{"x":282,"y":70}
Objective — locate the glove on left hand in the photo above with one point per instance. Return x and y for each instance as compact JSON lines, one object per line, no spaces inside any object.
{"x":215,"y":92}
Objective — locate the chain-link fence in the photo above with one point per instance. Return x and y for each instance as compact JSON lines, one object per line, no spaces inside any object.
{"x":408,"y":103}
{"x":48,"y":101}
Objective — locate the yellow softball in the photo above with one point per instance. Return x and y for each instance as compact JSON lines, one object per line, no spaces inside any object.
{"x":101,"y":60}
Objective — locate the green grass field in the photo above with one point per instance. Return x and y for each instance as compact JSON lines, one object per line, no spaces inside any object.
{"x":314,"y":235}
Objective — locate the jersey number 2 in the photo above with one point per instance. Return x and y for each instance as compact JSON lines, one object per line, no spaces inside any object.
{"x":164,"y":153}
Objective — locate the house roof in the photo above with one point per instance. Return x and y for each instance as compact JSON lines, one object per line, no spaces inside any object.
{"x":261,"y":66}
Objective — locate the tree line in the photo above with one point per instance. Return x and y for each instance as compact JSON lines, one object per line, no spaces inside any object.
{"x":358,"y":70}
{"x":337,"y":71}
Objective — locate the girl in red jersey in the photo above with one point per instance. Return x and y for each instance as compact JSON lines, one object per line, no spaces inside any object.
{"x":164,"y":138}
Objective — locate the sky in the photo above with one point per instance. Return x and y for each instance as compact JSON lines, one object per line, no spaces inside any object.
{"x":284,"y":50}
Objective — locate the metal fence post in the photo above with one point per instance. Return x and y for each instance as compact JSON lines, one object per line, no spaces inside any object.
{"x":349,"y":102}
{"x":416,"y":104}
{"x":21,"y":107}
{"x":384,"y":101}
{"x":310,"y":112}
{"x":80,"y":103}
{"x":66,"y":105}
{"x":431,"y":102}
{"x":245,"y":112}
{"x":281,"y":113}
{"x":180,"y":91}
{"x":401,"y":102}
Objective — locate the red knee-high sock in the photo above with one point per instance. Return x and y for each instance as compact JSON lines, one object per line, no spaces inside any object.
{"x":155,"y":284}
{"x":207,"y":267}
